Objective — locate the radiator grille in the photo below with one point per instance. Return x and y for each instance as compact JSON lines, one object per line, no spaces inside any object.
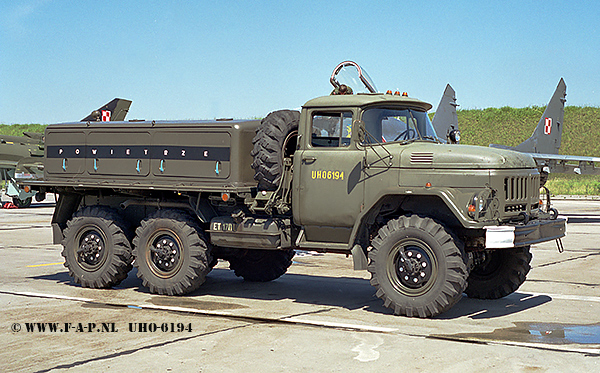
{"x":521,"y":188}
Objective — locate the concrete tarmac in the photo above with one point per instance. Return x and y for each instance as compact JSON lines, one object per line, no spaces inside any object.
{"x":320,"y":316}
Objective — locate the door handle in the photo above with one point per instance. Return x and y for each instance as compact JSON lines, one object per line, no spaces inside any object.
{"x":309,"y":159}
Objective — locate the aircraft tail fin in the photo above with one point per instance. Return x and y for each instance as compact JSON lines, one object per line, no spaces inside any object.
{"x":445,"y":119}
{"x":116,"y":110}
{"x":547,"y":135}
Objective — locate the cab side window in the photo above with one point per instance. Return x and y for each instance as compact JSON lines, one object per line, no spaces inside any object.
{"x":331,"y":129}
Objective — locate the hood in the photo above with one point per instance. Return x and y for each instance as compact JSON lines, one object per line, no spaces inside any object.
{"x":421,"y":155}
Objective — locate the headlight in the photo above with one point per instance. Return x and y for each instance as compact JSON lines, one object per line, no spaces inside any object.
{"x":479,"y":205}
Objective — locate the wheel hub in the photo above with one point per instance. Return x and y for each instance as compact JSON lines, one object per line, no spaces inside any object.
{"x":413,"y":267}
{"x":165,"y":253}
{"x":91,"y":248}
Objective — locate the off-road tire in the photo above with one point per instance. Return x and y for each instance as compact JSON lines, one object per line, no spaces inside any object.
{"x":501,"y":274}
{"x":22,"y":203}
{"x":438,"y":275}
{"x":270,"y":147}
{"x":261,"y":265}
{"x":172,"y":255}
{"x":97,"y":250}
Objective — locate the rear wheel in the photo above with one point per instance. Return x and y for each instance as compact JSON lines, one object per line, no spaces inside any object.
{"x":500,"y":273}
{"x":416,"y":267}
{"x":261,"y":265}
{"x":171,"y":253}
{"x":275,"y":139}
{"x":96,"y":249}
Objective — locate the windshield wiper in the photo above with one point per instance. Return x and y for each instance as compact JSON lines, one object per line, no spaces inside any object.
{"x":416,"y":127}
{"x":432,"y":138}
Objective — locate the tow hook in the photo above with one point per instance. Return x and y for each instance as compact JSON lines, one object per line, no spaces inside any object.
{"x":525,"y":217}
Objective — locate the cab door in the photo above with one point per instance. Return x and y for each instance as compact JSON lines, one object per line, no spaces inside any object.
{"x":329,"y":190}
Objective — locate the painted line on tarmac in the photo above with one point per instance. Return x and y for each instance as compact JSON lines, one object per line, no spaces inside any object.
{"x":333,"y":325}
{"x":329,"y":324}
{"x":48,"y":296}
{"x":44,"y":265}
{"x":545,"y":346}
{"x":538,"y":346}
{"x":286,"y":320}
{"x":583,"y":298}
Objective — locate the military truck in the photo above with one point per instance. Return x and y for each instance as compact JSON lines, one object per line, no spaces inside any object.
{"x":361,"y":174}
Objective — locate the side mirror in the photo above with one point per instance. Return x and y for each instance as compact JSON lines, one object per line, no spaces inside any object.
{"x":453,"y":135}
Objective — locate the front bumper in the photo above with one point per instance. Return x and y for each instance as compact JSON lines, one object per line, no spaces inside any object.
{"x":536,"y":231}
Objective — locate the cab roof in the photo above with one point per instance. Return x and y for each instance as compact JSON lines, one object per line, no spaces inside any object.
{"x":364,"y":99}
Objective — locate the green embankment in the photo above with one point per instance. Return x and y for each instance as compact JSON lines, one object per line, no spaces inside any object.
{"x":504,"y":126}
{"x":510,"y":126}
{"x":18,"y":129}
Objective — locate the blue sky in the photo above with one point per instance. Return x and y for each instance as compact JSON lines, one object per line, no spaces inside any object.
{"x":59,"y":60}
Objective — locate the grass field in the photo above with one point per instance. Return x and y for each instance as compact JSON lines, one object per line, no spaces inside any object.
{"x":510,"y":126}
{"x":18,"y":129}
{"x":504,"y":126}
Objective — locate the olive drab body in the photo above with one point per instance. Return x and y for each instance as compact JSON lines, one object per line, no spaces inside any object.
{"x":362,"y":174}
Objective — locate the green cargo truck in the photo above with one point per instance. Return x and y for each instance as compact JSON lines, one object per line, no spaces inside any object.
{"x":361,"y":174}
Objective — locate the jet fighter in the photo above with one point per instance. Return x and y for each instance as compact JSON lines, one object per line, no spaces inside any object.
{"x":544,"y":143}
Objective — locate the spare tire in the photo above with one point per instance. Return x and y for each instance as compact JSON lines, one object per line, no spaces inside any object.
{"x":276,"y":138}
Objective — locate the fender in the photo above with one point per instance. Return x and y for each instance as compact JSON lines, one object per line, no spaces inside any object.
{"x":445,"y":196}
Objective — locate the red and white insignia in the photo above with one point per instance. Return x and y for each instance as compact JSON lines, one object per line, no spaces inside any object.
{"x":106,"y":115}
{"x":548,"y":126}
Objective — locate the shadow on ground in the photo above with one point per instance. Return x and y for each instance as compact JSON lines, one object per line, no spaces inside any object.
{"x":340,"y":292}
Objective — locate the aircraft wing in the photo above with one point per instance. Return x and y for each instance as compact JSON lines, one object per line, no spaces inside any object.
{"x":7,"y":164}
{"x":559,"y":163}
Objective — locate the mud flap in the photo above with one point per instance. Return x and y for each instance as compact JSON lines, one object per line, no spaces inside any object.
{"x":359,"y":258}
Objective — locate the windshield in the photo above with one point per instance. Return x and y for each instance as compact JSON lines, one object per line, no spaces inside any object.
{"x":354,"y":76}
{"x":387,"y":124}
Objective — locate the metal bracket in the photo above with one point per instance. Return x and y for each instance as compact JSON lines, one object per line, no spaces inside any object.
{"x":560,"y":246}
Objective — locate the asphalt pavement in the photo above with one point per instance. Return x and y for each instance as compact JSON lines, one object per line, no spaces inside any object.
{"x":320,"y":316}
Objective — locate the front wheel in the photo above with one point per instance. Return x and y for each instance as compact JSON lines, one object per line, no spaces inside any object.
{"x":416,"y":267}
{"x":500,"y":273}
{"x":171,"y":253}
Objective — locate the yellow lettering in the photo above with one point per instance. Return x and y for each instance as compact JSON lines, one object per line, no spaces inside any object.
{"x":327,"y":175}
